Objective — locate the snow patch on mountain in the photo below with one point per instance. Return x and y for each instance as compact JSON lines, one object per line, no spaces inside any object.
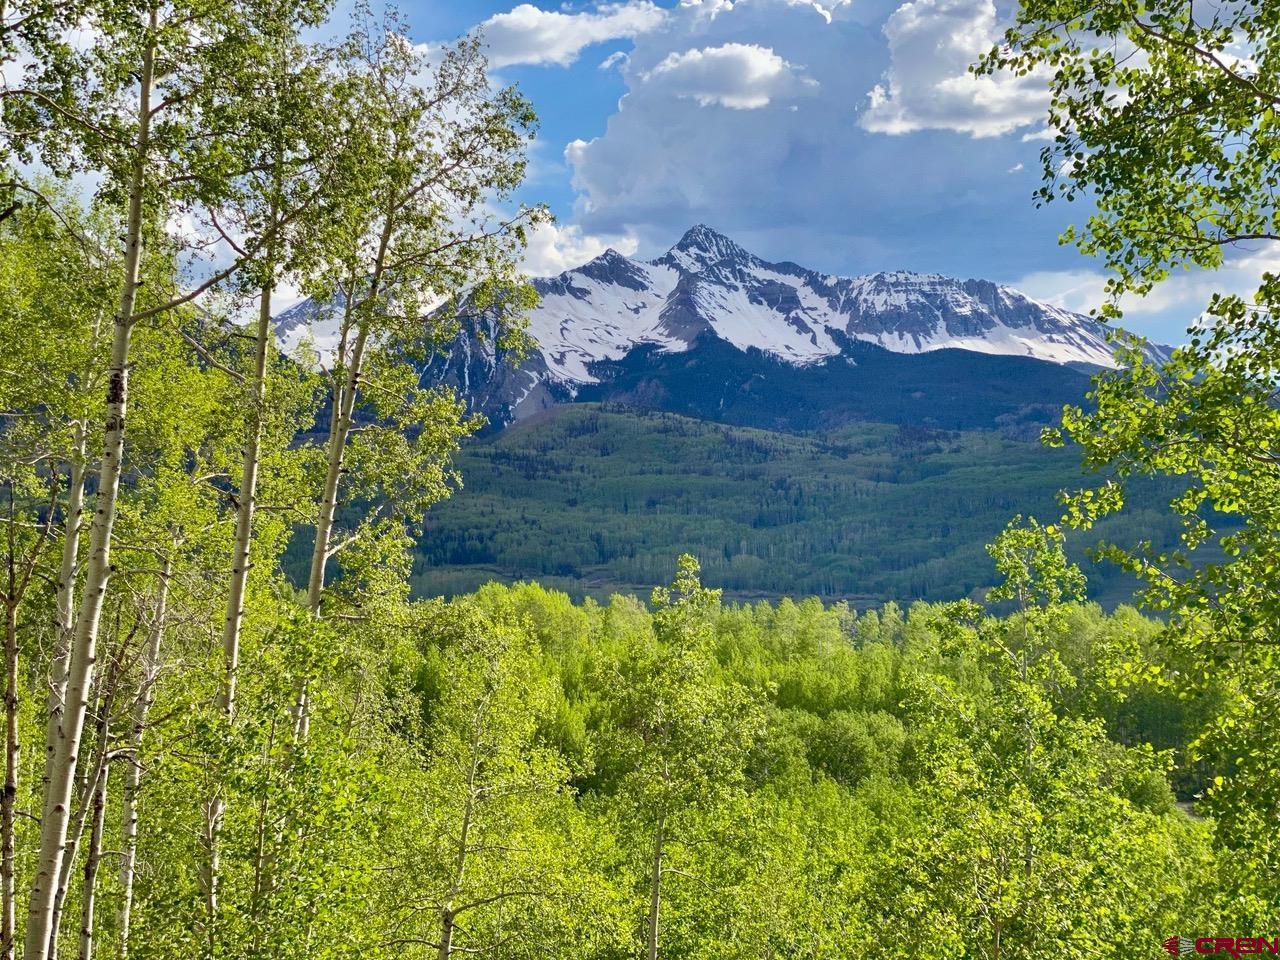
{"x":310,"y":324}
{"x":600,"y":311}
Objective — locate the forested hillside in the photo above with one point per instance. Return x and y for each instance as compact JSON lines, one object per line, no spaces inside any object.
{"x":595,"y":500}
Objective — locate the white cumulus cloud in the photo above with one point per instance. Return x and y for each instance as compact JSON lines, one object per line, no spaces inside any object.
{"x":554,"y":248}
{"x":706,"y":132}
{"x":741,"y":76}
{"x":928,"y":85}
{"x":529,"y":35}
{"x":1166,"y":312}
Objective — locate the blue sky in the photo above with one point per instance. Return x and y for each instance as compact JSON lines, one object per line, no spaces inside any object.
{"x":843,"y":134}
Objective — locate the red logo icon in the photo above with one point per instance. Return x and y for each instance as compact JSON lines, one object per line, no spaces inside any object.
{"x":1232,"y":946}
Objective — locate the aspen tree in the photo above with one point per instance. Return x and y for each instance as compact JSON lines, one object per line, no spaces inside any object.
{"x":52,"y":277}
{"x":420,"y":235}
{"x":1163,"y":121}
{"x":26,"y":539}
{"x":92,"y":860}
{"x":292,"y":131}
{"x":685,"y":736}
{"x":489,"y":779}
{"x":92,"y":789}
{"x":65,"y":747}
{"x":150,"y":669}
{"x":133,"y":110}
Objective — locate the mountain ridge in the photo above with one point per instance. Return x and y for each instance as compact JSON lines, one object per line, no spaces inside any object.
{"x":708,"y":283}
{"x":593,"y":319}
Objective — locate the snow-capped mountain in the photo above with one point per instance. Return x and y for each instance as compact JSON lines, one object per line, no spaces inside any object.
{"x":708,"y":288}
{"x":707,"y":284}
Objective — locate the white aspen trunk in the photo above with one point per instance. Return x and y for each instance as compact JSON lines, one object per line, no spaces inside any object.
{"x":66,"y":747}
{"x":74,"y":835}
{"x":88,"y":894}
{"x":89,"y":787}
{"x":338,"y":436}
{"x":133,"y":771}
{"x":261,"y":857}
{"x":339,"y":432}
{"x":340,"y":358}
{"x":12,"y":748}
{"x":655,"y":891}
{"x":347,"y":358}
{"x":16,"y":589}
{"x":64,"y":629}
{"x":64,"y":608}
{"x":210,"y":872}
{"x":446,"y":935}
{"x":344,"y":404}
{"x":240,"y":563}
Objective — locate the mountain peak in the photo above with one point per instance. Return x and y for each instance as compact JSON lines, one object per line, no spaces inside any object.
{"x":700,"y":234}
{"x":702,"y":246}
{"x":612,"y":267}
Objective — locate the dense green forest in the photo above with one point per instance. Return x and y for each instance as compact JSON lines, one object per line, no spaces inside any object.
{"x":595,"y":501}
{"x":207,"y":758}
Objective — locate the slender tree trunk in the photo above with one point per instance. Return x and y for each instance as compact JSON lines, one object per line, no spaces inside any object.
{"x":333,"y":473}
{"x":19,"y":579}
{"x":92,"y":860}
{"x":8,"y":805}
{"x":655,"y":890}
{"x":74,"y":835}
{"x":66,"y":747}
{"x":211,"y":871}
{"x":448,"y":913}
{"x":64,"y":607}
{"x":262,"y":857}
{"x":446,"y":935}
{"x":339,"y":432}
{"x":240,"y":563}
{"x":344,"y":405}
{"x":94,"y":776}
{"x":133,"y":771}
{"x":247,"y":503}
